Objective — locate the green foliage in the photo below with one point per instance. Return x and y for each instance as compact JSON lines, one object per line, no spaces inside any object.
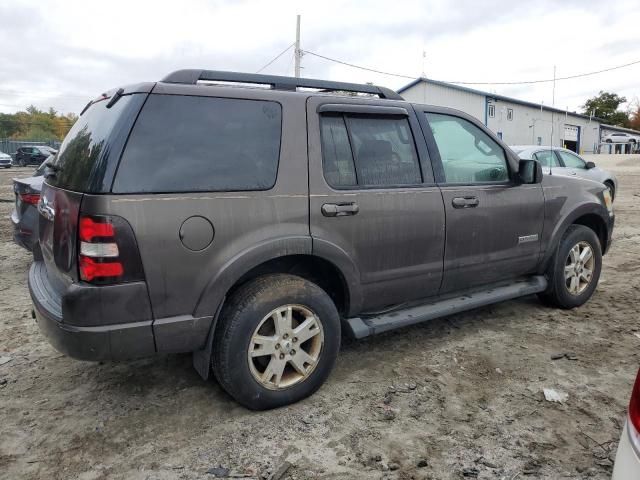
{"x":605,"y":106}
{"x":35,"y":124}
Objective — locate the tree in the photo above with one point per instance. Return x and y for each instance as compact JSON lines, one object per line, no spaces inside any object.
{"x":634,"y":115}
{"x":605,"y":106}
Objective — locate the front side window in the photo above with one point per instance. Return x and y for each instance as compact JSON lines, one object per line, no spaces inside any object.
{"x":546,"y":158}
{"x":468,"y":154}
{"x":369,"y":151}
{"x":571,"y":161}
{"x":190,"y":144}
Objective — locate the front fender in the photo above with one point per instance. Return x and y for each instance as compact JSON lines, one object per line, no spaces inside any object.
{"x":565,"y":219}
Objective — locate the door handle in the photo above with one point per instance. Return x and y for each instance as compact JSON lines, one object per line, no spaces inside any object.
{"x":339,"y":209}
{"x":465,"y":202}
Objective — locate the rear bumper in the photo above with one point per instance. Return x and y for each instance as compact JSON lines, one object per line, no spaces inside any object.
{"x":79,"y":322}
{"x":94,"y":342}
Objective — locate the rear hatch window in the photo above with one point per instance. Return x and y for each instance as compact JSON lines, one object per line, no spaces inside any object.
{"x":89,"y":154}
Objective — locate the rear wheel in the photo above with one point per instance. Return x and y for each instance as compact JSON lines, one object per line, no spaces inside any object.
{"x":276,"y":342}
{"x":575,"y":268}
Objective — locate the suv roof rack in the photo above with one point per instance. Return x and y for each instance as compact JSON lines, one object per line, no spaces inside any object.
{"x":193,"y":76}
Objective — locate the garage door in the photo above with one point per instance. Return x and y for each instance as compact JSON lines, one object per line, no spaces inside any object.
{"x":571,"y":133}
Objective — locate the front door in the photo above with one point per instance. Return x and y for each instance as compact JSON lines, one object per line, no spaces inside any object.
{"x":373,"y":199}
{"x":494,"y":223}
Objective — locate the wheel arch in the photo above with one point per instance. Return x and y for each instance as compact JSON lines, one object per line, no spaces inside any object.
{"x":293,"y":256}
{"x":588,"y":215}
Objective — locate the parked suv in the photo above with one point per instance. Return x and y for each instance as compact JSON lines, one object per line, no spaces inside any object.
{"x":252,"y":226}
{"x":33,"y":155}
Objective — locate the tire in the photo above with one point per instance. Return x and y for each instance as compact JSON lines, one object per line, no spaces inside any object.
{"x":247,"y":316}
{"x":608,"y":141}
{"x":558,"y":292}
{"x":612,"y":189}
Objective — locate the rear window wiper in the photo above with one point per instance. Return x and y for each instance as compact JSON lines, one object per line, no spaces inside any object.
{"x":115,"y":98}
{"x":51,"y":170}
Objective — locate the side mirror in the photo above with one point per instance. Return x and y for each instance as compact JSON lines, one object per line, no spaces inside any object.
{"x":590,"y":165}
{"x":529,"y":171}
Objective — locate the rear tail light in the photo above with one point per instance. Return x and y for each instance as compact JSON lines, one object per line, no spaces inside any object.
{"x":108,"y":251}
{"x":634,"y":415}
{"x":30,"y":198}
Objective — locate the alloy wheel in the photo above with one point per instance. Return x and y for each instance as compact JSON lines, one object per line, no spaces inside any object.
{"x":579,"y":267}
{"x":285,"y":347}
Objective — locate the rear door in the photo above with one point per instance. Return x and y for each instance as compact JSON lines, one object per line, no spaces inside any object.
{"x":493,"y":222}
{"x":373,"y":198}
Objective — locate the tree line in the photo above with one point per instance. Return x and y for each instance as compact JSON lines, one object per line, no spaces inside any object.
{"x":606,"y":106}
{"x":36,"y":124}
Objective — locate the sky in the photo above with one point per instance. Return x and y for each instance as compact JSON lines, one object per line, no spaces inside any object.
{"x":62,"y":53}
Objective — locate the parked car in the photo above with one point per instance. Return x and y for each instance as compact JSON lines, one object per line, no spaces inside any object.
{"x":251,"y":226}
{"x":621,"y":137}
{"x":33,"y":155}
{"x":627,"y":464}
{"x":565,"y":162}
{"x":25,"y":217}
{"x":5,"y":160}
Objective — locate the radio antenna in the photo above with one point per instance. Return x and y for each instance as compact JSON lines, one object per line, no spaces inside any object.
{"x":553,"y":104}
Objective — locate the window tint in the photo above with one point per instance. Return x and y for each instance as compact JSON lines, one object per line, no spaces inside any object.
{"x":337,"y":159}
{"x":384,"y":151}
{"x":376,"y":151}
{"x":468,"y":154}
{"x":571,"y":161}
{"x":546,"y":157}
{"x":184,"y":143}
{"x":89,"y":149}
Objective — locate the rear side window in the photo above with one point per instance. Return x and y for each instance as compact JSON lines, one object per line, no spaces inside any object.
{"x":546,"y":158}
{"x":371,"y":151}
{"x":188,"y":144}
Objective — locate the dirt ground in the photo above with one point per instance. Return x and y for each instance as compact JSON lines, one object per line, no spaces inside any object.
{"x":459,"y":397}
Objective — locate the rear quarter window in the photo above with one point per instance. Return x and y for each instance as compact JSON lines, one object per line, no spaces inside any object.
{"x":189,"y":144}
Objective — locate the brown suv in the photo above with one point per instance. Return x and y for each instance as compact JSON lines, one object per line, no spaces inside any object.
{"x":252,"y":226}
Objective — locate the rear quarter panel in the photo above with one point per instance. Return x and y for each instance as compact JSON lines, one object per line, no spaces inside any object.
{"x":250,"y":227}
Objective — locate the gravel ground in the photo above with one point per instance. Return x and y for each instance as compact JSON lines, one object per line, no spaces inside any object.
{"x":459,"y":397}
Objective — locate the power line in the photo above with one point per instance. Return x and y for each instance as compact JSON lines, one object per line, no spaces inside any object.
{"x":523,"y":82}
{"x":275,"y":58}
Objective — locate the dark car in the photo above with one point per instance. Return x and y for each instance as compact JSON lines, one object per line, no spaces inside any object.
{"x":25,"y":215}
{"x":253,"y":226}
{"x":34,"y":155}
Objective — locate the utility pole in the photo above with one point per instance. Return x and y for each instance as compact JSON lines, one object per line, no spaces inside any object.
{"x":297,"y":53}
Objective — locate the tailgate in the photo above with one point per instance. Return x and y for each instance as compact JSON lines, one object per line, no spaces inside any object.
{"x":58,"y":222}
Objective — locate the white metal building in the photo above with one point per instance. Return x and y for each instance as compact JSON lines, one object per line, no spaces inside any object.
{"x":515,"y":121}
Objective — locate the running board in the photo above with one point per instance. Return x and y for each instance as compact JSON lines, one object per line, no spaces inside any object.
{"x":363,"y":327}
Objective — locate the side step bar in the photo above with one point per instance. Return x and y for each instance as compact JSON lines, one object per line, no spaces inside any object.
{"x":363,"y":327}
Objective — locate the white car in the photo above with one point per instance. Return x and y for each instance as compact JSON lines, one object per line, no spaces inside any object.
{"x":627,"y":465}
{"x":621,"y":137}
{"x":565,"y":162}
{"x":5,"y":160}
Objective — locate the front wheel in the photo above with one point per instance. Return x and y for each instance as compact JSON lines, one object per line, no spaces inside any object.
{"x":276,"y":342}
{"x":575,"y":268}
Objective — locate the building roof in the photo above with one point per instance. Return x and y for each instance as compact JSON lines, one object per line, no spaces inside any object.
{"x":494,"y":96}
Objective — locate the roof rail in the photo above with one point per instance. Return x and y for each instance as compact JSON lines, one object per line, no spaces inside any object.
{"x":193,"y":76}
